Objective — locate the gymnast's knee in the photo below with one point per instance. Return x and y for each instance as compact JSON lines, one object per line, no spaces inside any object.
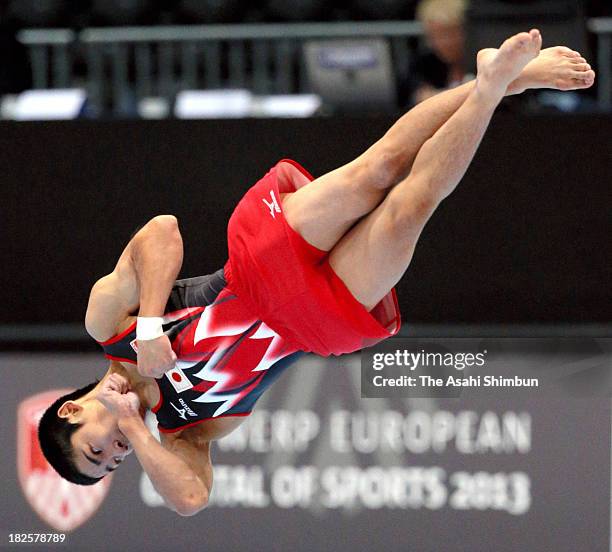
{"x":380,"y":168}
{"x":407,"y":215}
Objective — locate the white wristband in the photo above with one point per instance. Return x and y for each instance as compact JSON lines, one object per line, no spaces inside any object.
{"x":149,"y":327}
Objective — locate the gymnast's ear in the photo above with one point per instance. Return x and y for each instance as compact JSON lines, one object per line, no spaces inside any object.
{"x":71,"y":411}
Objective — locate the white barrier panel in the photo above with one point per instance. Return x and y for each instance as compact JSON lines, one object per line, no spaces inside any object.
{"x":213,"y":104}
{"x":289,"y":105}
{"x":46,"y":105}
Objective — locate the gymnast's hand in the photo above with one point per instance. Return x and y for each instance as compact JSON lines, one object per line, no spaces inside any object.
{"x":155,"y":357}
{"x":117,"y":397}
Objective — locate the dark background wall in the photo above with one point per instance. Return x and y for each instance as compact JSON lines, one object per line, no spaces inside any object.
{"x":525,"y":238}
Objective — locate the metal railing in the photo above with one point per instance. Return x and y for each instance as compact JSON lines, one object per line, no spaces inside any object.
{"x":125,"y":64}
{"x":50,"y":56}
{"x":130,"y":63}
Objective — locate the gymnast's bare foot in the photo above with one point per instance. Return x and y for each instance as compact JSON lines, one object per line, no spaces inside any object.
{"x":558,"y":67}
{"x":497,"y":71}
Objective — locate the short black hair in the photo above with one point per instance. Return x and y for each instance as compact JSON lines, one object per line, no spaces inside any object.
{"x":54,"y":437}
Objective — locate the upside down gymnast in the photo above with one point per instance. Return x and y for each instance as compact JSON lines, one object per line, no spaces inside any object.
{"x":312,"y":265}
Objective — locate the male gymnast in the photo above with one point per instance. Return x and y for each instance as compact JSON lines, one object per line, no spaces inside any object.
{"x":312,"y":265}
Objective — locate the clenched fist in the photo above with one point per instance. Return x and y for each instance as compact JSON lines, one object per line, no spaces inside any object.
{"x":116,"y":396}
{"x":155,"y":357}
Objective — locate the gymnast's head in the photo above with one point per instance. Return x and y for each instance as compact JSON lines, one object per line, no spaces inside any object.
{"x":80,"y":438}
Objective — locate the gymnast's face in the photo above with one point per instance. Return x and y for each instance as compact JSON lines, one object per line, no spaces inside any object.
{"x":99,"y":447}
{"x":446,"y":40}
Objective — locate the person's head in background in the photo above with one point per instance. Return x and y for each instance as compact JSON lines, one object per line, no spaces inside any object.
{"x":443,"y":24}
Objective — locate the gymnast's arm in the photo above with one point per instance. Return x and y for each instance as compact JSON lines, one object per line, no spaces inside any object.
{"x":180,"y":470}
{"x":142,"y":280}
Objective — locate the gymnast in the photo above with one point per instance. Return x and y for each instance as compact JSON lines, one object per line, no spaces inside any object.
{"x":312,"y":268}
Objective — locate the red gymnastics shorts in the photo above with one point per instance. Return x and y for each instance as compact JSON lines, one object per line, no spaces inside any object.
{"x":289,"y":284}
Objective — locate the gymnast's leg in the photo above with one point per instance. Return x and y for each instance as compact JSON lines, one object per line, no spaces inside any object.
{"x":323,"y":211}
{"x":375,"y":253}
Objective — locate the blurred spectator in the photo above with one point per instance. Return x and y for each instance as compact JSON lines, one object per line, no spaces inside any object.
{"x":442,"y":65}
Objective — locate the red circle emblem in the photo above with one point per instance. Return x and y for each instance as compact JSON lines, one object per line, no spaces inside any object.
{"x":176,"y":376}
